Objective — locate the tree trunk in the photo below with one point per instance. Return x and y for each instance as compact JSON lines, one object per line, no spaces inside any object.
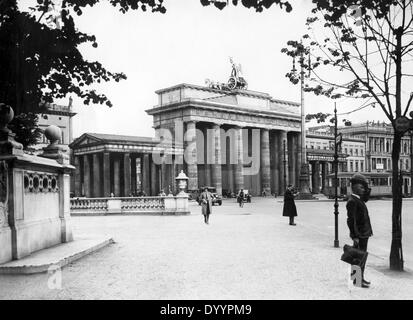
{"x":396,"y":252}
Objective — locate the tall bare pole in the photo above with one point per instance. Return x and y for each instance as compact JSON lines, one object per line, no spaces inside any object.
{"x":304,"y":170}
{"x":336,"y":146}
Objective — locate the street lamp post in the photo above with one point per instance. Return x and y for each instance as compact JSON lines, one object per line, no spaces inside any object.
{"x":304,"y":170}
{"x":336,"y":146}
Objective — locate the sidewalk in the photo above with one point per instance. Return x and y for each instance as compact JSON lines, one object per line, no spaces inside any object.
{"x":244,"y":253}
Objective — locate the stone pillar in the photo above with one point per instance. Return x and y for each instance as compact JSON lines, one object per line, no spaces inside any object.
{"x":298,"y":157}
{"x":116,"y":176}
{"x":191,"y":156}
{"x":77,"y":178}
{"x":230,"y":166}
{"x":163,"y":178}
{"x":291,"y":158}
{"x":265,"y":162}
{"x":106,"y":174}
{"x":216,"y":167}
{"x":239,"y":167}
{"x":126,"y":174}
{"x":324,"y":172}
{"x":146,"y":174}
{"x":97,"y":182}
{"x":134,"y":180}
{"x":154,"y":182}
{"x":283,"y":160}
{"x":208,"y":156}
{"x":276,"y":163}
{"x":86,"y":176}
{"x":316,"y":177}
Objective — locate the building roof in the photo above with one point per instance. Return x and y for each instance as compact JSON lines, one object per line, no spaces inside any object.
{"x":120,"y":138}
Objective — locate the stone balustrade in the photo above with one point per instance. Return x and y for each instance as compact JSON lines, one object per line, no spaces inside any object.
{"x":168,"y":205}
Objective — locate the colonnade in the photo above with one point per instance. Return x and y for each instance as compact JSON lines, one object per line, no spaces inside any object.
{"x":231,"y":166}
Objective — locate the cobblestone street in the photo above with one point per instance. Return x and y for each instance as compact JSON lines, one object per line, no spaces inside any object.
{"x":245,"y":253}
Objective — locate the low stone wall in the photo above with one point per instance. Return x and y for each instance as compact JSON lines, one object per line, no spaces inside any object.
{"x":35,"y":204}
{"x":168,"y":205}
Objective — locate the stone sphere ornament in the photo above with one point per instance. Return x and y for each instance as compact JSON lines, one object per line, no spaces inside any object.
{"x":6,"y":116}
{"x":53,"y":134}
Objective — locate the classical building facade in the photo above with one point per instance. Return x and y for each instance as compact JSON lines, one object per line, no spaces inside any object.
{"x":227,"y":139}
{"x":121,"y":166}
{"x":262,"y":132}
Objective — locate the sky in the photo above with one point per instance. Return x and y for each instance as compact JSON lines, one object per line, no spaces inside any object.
{"x":188,"y":44}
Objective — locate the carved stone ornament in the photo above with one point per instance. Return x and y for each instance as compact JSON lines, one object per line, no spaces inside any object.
{"x":3,"y":193}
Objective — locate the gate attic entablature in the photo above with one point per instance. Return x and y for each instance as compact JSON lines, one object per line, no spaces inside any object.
{"x":246,"y":108}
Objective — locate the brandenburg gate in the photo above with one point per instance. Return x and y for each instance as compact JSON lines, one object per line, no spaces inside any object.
{"x":262,"y":132}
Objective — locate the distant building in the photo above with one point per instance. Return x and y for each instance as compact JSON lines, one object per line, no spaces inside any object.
{"x":368,"y":147}
{"x":320,"y":156}
{"x":60,"y":116}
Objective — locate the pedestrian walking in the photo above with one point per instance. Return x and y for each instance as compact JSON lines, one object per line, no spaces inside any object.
{"x":290,"y":209}
{"x":240,"y":197}
{"x":206,"y":204}
{"x":358,"y":220}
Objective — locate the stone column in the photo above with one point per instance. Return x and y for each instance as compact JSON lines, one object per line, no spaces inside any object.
{"x":239,"y":167}
{"x":146,"y":174}
{"x":86,"y":175}
{"x":154,"y":182}
{"x":276,"y":164}
{"x":133,"y":175}
{"x":97,"y":182}
{"x":283,"y":161}
{"x":216,"y":167}
{"x":106,"y":174}
{"x":230,"y":165}
{"x":298,"y":157}
{"x":191,"y":156}
{"x":126,"y":174}
{"x":324,"y":172}
{"x":116,"y":176}
{"x":316,"y":177}
{"x":78,"y":184}
{"x":163,"y":177}
{"x":265,"y":162}
{"x":208,"y":156}
{"x":291,"y":158}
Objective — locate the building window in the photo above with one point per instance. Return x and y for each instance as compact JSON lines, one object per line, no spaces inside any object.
{"x":345,"y":150}
{"x":361,"y":152}
{"x":357,"y":152}
{"x":351,"y":152}
{"x":356,"y":166}
{"x":361,"y":166}
{"x":373,"y":164}
{"x":351,"y":166}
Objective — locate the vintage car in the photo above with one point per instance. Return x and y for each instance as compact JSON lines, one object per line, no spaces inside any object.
{"x":216,"y":198}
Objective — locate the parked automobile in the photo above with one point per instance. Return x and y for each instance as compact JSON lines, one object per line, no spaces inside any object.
{"x":216,"y":198}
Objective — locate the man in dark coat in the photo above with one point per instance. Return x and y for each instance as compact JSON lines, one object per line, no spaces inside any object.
{"x":289,"y":209}
{"x":206,"y":203}
{"x":358,"y":219}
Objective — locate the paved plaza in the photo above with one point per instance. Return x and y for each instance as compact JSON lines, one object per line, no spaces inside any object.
{"x":245,"y":253}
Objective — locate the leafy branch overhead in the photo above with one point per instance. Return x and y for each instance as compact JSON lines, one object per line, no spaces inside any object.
{"x":258,"y":5}
{"x":368,"y":42}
